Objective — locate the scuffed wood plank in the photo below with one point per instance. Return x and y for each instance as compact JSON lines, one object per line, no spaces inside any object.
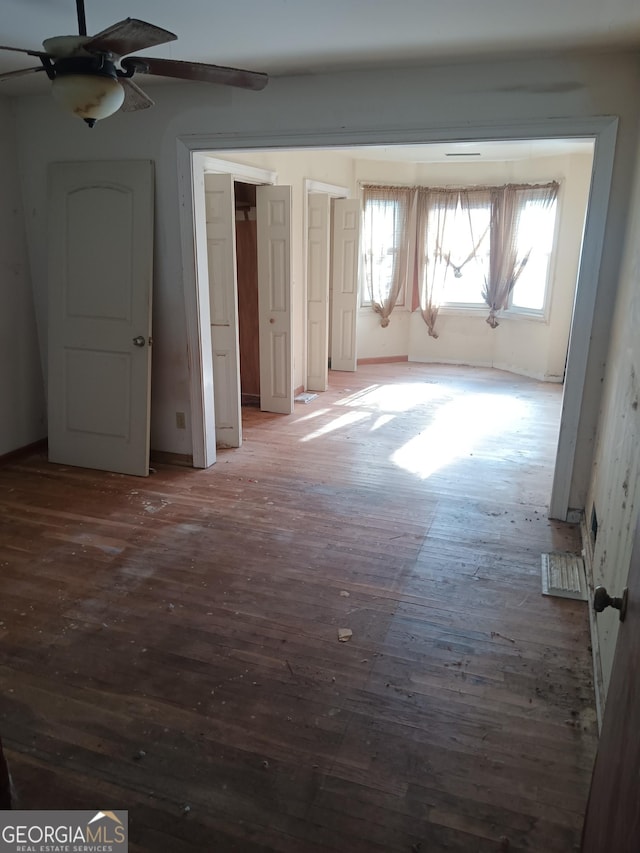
{"x":193,"y":617}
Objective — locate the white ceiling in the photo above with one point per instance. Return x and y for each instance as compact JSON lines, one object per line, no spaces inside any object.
{"x":306,"y":36}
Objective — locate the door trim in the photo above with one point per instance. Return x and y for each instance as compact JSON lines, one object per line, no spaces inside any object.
{"x":193,"y":163}
{"x":602,"y":128}
{"x":598,"y":680}
{"x":333,"y":191}
{"x":239,"y":171}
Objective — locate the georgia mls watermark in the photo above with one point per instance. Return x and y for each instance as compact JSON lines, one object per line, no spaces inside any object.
{"x":64,"y":832}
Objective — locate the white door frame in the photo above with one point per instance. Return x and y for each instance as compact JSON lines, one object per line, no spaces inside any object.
{"x":223,"y":301}
{"x":193,"y":163}
{"x":275,"y":308}
{"x":602,"y":128}
{"x":333,"y":191}
{"x":345,"y":279}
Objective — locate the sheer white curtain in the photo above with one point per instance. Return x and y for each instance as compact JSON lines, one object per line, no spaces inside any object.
{"x":385,"y":236}
{"x":509,"y":248}
{"x":475,"y":206}
{"x":435,"y":210}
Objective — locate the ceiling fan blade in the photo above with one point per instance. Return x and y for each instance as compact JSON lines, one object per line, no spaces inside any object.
{"x":23,"y":50}
{"x":127,"y":36}
{"x":134,"y":97}
{"x":20,"y":72}
{"x":197,"y":71}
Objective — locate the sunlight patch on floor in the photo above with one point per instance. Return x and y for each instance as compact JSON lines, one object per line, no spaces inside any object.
{"x":381,"y":421}
{"x":311,"y":415}
{"x":457,"y":428}
{"x":348,"y":419}
{"x":398,"y":398}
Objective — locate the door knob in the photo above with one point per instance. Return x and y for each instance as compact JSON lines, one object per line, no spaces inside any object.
{"x":602,"y":600}
{"x":139,"y":341}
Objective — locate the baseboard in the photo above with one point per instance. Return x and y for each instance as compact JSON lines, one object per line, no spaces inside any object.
{"x":598,"y":681}
{"x":298,"y":390}
{"x":163,"y":457}
{"x":250,"y":400}
{"x":27,"y":450}
{"x":384,"y":359}
{"x":530,"y":374}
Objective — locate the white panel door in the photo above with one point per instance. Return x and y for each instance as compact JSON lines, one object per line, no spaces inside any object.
{"x":223,"y":307}
{"x":344,"y":272}
{"x":273,"y":212}
{"x":318,"y":254}
{"x":100,"y":278}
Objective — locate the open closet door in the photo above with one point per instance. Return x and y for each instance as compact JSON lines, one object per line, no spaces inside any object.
{"x":100,"y":277}
{"x":344,"y":313}
{"x":223,"y":305}
{"x":318,"y":255}
{"x":273,"y":213}
{"x":612,"y":820}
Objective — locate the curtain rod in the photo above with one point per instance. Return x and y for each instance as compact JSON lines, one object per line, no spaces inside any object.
{"x":472,"y":188}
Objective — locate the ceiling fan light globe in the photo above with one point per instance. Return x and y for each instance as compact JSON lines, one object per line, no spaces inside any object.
{"x":59,"y":46}
{"x":88,"y":96}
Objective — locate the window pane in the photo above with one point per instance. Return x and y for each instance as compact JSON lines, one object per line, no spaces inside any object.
{"x":380,"y":248}
{"x":530,"y":288}
{"x":467,"y":288}
{"x":466,"y":243}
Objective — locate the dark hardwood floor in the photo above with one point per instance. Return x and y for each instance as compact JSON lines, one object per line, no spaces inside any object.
{"x":170,"y":645}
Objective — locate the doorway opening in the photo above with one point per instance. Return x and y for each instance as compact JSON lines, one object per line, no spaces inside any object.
{"x":602,"y":130}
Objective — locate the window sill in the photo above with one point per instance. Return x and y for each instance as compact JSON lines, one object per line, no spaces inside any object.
{"x":483,"y":311}
{"x":367,"y":309}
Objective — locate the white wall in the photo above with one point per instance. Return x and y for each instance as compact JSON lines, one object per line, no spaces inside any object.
{"x":416,"y":104}
{"x":519,"y":344}
{"x":615,"y":485}
{"x":22,"y":418}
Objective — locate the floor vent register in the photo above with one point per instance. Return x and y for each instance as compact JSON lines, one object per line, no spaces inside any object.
{"x":563,"y":575}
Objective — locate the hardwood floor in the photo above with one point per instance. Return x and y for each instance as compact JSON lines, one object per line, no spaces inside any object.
{"x":170,"y":645}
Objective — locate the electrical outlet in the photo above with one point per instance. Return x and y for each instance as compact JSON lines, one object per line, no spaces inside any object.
{"x":180,"y":420}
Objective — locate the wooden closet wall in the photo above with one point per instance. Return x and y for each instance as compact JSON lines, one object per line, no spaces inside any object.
{"x":247,"y":272}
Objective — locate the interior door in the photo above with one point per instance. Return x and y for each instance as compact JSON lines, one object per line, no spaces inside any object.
{"x":612,"y":820}
{"x":273,"y":213}
{"x":223,"y":307}
{"x":100,"y":279}
{"x":344,"y":272}
{"x":318,"y":257}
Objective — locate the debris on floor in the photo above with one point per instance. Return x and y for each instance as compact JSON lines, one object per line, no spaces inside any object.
{"x":344,"y":635}
{"x":344,"y":593}
{"x":502,"y":636}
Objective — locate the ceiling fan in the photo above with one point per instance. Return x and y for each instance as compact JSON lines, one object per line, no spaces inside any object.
{"x":92,"y":75}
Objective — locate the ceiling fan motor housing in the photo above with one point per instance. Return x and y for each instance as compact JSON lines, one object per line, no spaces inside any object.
{"x":99,"y":65}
